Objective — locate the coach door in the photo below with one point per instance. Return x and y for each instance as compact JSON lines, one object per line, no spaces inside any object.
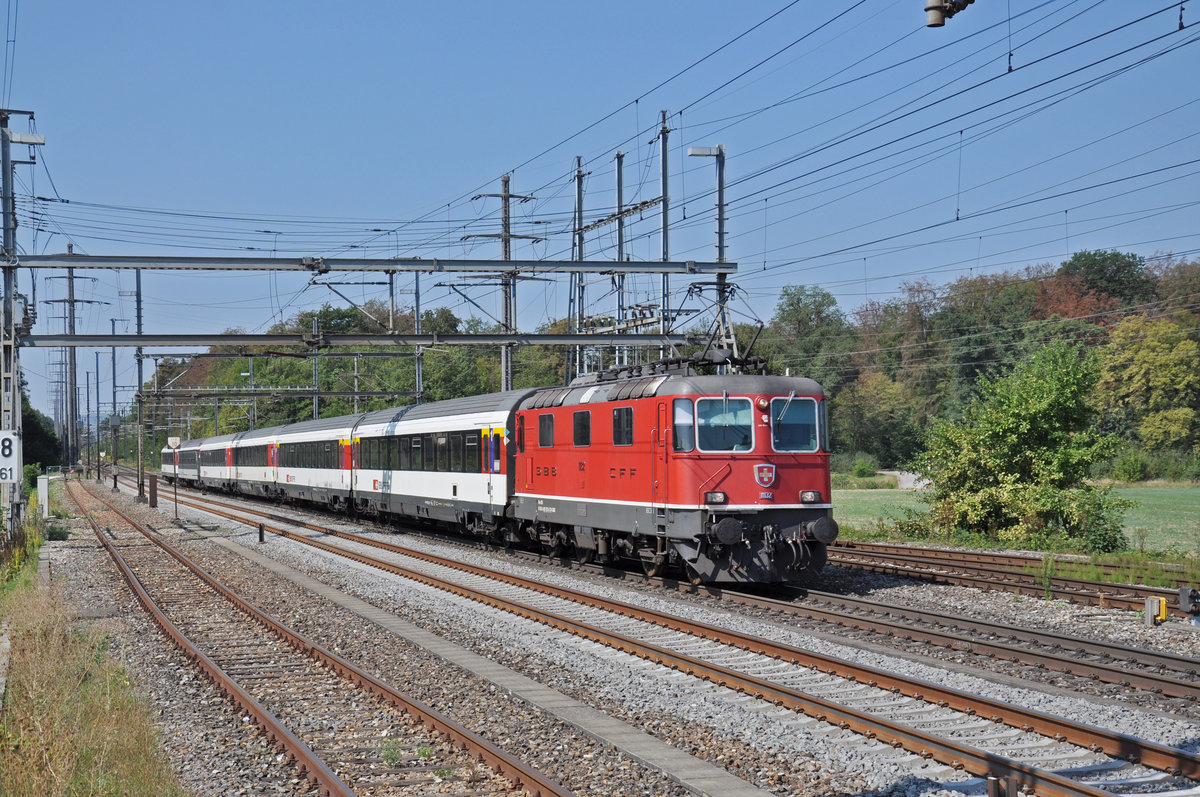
{"x":492,"y":463}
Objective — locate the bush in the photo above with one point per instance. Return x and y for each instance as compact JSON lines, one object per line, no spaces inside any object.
{"x":1013,"y":468}
{"x":1134,"y":464}
{"x":57,"y":533}
{"x":30,"y":473}
{"x":1129,"y":466}
{"x":864,"y":465}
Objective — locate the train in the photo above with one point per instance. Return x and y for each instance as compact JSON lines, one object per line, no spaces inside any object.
{"x":712,"y":477}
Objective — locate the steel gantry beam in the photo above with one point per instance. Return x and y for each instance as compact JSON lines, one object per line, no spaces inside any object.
{"x":318,"y":265}
{"x":358,"y":339}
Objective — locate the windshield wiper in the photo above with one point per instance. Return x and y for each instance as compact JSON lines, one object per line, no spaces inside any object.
{"x":786,"y":404}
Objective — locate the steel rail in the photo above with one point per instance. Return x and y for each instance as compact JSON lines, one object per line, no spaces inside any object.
{"x":1095,"y":593}
{"x":927,"y":626}
{"x":1130,"y":574}
{"x":1065,"y":662}
{"x":927,"y":745}
{"x":308,"y":762}
{"x":520,"y":774}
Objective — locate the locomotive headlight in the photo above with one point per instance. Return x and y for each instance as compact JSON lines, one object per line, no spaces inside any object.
{"x":715,"y":498}
{"x":810,"y":496}
{"x":763,"y":403}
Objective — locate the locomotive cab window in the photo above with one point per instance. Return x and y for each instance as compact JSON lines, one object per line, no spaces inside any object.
{"x":724,"y":424}
{"x":683,"y":436}
{"x":793,"y":424}
{"x":545,"y":430}
{"x":583,"y":428}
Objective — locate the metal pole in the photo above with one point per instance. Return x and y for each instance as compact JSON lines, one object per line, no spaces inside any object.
{"x":579,"y":284}
{"x":72,"y":425}
{"x":622,"y":351}
{"x":664,"y":322}
{"x":99,"y":412}
{"x":253,"y":399}
{"x":356,"y":385}
{"x":506,"y":352}
{"x":316,"y":401}
{"x":417,"y":324}
{"x":141,"y":421}
{"x":392,"y":302}
{"x":11,"y":417}
{"x":87,"y":403}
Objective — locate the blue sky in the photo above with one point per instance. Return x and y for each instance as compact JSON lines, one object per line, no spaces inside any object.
{"x":864,"y":150}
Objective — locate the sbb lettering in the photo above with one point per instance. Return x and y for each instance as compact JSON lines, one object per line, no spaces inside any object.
{"x":545,"y":471}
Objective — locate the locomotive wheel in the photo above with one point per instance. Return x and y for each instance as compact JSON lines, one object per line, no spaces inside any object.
{"x":585,"y":556}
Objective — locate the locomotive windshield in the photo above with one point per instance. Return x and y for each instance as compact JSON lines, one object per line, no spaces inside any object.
{"x":794,"y":424}
{"x":724,"y":424}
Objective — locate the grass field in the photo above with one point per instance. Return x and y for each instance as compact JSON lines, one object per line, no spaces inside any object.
{"x":1169,"y":516}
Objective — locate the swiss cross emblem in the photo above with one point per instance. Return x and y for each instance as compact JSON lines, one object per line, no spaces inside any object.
{"x":764,"y":475}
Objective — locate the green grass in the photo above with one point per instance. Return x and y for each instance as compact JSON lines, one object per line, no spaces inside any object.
{"x":1170,"y":515}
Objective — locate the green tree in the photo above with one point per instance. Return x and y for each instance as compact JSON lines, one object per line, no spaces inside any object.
{"x":1151,"y":377}
{"x":1013,"y":468}
{"x":39,"y":443}
{"x":1122,"y":275}
{"x":809,"y":336}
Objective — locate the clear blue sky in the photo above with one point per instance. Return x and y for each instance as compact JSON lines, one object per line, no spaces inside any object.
{"x":855,"y":138}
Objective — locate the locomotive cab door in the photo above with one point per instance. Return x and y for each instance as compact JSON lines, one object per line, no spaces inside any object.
{"x":660,"y":445}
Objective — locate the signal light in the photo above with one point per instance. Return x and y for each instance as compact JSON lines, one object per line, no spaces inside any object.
{"x":715,"y":498}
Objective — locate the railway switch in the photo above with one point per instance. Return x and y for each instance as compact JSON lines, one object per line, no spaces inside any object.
{"x":1156,"y":610}
{"x":1189,"y":603}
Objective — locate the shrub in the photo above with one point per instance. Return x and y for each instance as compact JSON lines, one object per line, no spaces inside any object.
{"x":864,"y":465}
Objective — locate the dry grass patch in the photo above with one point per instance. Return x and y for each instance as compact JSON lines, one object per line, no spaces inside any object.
{"x":72,"y":724}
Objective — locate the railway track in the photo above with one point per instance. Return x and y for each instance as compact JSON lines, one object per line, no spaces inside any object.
{"x":1022,"y":575}
{"x":1161,"y":674}
{"x":867,"y":701}
{"x":348,"y":732}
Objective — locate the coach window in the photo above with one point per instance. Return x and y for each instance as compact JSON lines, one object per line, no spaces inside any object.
{"x":582,"y":428}
{"x":443,"y":452}
{"x":623,"y":426}
{"x":418,"y":459}
{"x":683,"y":435}
{"x":456,"y":452}
{"x":471,"y":452}
{"x":724,"y":424}
{"x":545,"y":430}
{"x":793,"y":424}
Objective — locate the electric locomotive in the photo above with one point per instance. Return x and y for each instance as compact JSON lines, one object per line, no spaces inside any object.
{"x":725,"y":477}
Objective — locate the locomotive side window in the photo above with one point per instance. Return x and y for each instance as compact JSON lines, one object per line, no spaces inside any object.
{"x":683,"y":436}
{"x":823,"y":425}
{"x":545,"y":430}
{"x":793,"y":424}
{"x":725,"y":424}
{"x":623,"y":426}
{"x":582,"y":424}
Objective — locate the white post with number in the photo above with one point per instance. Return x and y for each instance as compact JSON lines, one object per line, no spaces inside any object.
{"x":10,"y":459}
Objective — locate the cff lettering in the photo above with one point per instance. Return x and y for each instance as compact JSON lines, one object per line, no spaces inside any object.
{"x":622,"y":473}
